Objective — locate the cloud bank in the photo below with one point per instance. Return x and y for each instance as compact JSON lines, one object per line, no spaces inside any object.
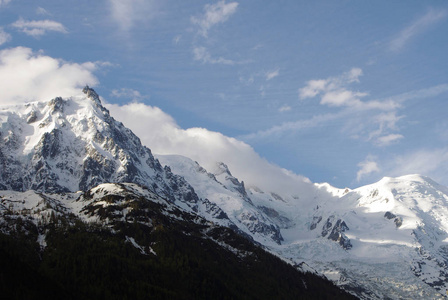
{"x":162,"y":135}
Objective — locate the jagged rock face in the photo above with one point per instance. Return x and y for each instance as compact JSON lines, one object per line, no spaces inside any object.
{"x":334,"y":228}
{"x":74,"y":144}
{"x":221,"y":189}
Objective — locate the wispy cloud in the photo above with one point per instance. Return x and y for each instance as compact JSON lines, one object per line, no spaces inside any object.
{"x":417,"y":27}
{"x":294,"y":126}
{"x":214,"y":14}
{"x":38,"y":28}
{"x":429,"y":162}
{"x":4,"y":36}
{"x":375,"y":121}
{"x":132,"y":94}
{"x":284,"y":108}
{"x":366,"y":167}
{"x":127,"y":13}
{"x":202,"y":54}
{"x":272,"y":74}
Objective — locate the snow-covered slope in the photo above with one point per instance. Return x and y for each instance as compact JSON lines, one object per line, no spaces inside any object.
{"x":229,"y":194}
{"x":393,"y":239}
{"x":72,"y":144}
{"x":385,"y":240}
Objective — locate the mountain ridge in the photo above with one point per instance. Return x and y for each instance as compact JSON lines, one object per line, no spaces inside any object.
{"x":397,"y":227}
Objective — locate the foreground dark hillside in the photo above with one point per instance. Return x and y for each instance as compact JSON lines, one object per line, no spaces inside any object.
{"x":158,"y":253}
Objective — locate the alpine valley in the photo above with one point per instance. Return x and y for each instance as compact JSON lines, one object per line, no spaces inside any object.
{"x":88,"y":212}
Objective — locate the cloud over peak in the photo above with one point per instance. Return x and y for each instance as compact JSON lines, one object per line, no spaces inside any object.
{"x":27,"y":76}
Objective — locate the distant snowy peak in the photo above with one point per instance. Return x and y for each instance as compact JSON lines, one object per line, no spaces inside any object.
{"x":220,"y":188}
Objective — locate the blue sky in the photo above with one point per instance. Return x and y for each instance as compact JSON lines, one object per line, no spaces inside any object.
{"x":344,"y":92}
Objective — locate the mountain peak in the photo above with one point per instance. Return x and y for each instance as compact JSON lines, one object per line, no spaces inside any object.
{"x":91,"y":94}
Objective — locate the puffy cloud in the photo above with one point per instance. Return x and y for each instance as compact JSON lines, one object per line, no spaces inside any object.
{"x":312,"y":89}
{"x":367,"y":167}
{"x":162,"y":135}
{"x":214,"y":14}
{"x":4,"y":36}
{"x":333,"y":90}
{"x":417,"y":27}
{"x":38,"y":28}
{"x":127,"y":13}
{"x":28,"y":76}
{"x":342,"y":97}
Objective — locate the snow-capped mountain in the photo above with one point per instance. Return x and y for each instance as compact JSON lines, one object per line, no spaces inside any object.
{"x":392,"y":238}
{"x":67,"y":145}
{"x":385,"y":240}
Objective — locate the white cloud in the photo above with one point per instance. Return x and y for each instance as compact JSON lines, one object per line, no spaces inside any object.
{"x":295,"y":126}
{"x":214,"y":14}
{"x":333,"y":90}
{"x":284,"y":108}
{"x":386,"y":140}
{"x":386,"y":122}
{"x":312,"y":89}
{"x":4,"y":36}
{"x":128,"y":13}
{"x":368,"y":166}
{"x":162,"y":135}
{"x":38,"y":28}
{"x":128,"y":93}
{"x":28,"y":76}
{"x":272,"y":74}
{"x":417,"y":27}
{"x":342,"y":97}
{"x":361,"y":122}
{"x":202,"y":54}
